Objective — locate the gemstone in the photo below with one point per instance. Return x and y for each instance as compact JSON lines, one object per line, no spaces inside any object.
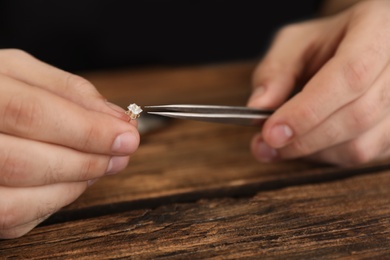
{"x":134,"y":111}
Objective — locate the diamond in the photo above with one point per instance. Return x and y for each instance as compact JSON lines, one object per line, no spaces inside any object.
{"x":134,"y":111}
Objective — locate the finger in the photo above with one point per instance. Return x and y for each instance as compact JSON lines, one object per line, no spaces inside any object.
{"x":40,"y":115}
{"x":347,"y":123}
{"x":262,"y":151}
{"x":282,"y":70}
{"x":276,"y":75}
{"x":359,"y":60}
{"x":338,"y":140}
{"x":23,"y":229}
{"x":19,"y":206}
{"x":285,"y":66}
{"x":24,"y":67}
{"x":372,"y":146}
{"x":29,"y":163}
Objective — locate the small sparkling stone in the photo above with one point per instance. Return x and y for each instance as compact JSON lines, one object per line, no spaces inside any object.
{"x":134,"y":111}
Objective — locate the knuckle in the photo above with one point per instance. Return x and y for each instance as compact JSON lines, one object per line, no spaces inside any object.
{"x":356,"y":73}
{"x":51,"y":175}
{"x":88,"y":169}
{"x":88,"y":137}
{"x":331,"y":133}
{"x":364,"y":115}
{"x":310,"y":114}
{"x":73,"y":80}
{"x":22,"y":116}
{"x":12,"y":169}
{"x":79,"y":84}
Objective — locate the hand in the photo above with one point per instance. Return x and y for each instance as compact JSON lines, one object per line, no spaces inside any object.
{"x":57,"y":135}
{"x":342,"y":113}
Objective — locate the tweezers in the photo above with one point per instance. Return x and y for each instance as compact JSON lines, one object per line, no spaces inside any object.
{"x":238,"y":115}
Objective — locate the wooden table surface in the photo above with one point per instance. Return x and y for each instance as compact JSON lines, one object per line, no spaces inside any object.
{"x":194,"y":191}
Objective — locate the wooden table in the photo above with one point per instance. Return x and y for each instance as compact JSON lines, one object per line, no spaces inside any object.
{"x":193,"y":190}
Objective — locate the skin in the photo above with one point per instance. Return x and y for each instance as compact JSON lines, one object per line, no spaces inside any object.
{"x":330,"y":7}
{"x":58,"y":135}
{"x":341,"y":113}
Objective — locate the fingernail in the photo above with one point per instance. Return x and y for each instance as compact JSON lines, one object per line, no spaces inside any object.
{"x":264,"y":152}
{"x":280,"y":135}
{"x":256,"y":94}
{"x":125,"y":143}
{"x":116,"y":164}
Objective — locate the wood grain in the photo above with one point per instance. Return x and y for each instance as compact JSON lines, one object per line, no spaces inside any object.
{"x":194,"y":191}
{"x":347,"y":219}
{"x":185,"y":156}
{"x":188,"y":159}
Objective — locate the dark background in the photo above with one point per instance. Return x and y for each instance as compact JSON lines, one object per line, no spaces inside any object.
{"x":92,"y":34}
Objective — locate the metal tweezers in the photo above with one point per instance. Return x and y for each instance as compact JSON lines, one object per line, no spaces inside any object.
{"x":237,"y":115}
